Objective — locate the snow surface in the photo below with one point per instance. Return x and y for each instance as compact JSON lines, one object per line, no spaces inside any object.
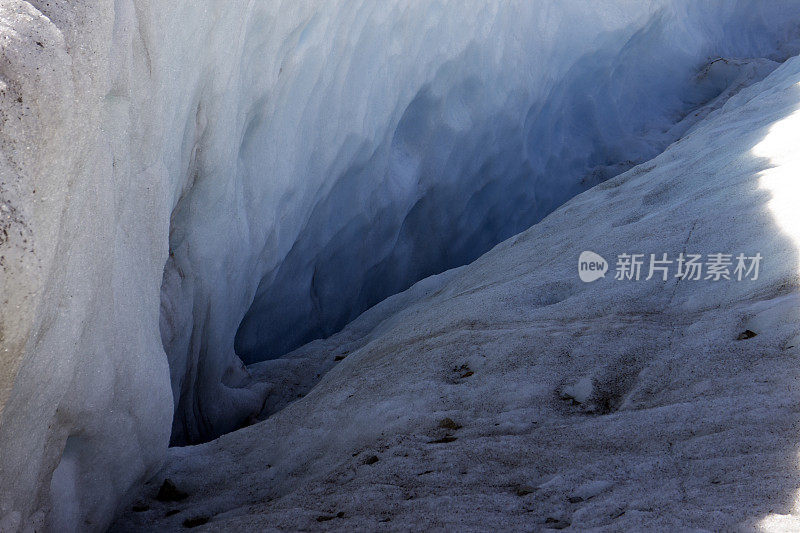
{"x":168,"y":166}
{"x":681,"y":427}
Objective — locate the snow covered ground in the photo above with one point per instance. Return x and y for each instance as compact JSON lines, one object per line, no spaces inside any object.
{"x":508,"y":394}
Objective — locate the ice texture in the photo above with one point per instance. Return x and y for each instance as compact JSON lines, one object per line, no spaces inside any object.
{"x":605,"y":406}
{"x":488,"y":141}
{"x":168,"y":166}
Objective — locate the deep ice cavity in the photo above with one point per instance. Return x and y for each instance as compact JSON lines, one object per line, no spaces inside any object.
{"x":487,"y":146}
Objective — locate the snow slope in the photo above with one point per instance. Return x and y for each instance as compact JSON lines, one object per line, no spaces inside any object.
{"x":173,"y":170}
{"x":615,"y":405}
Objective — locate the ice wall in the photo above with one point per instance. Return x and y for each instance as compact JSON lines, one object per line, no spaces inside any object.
{"x":84,"y":203}
{"x":331,"y":139}
{"x":479,"y":142}
{"x":169,"y":165}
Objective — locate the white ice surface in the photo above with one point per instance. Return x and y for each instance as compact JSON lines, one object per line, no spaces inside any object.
{"x":326,"y":152}
{"x":684,"y":428}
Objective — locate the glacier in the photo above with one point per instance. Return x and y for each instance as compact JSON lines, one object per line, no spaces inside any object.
{"x":509,"y":395}
{"x":187,"y":188}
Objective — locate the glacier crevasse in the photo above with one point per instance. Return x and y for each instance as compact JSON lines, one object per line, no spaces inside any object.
{"x":173,"y":174}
